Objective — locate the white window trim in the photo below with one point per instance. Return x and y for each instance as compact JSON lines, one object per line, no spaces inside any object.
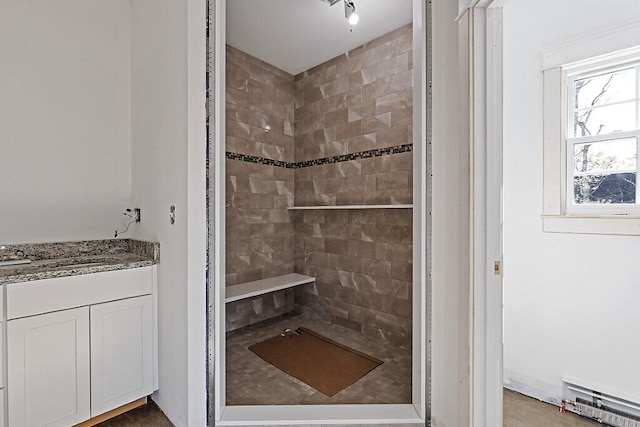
{"x":608,"y":45}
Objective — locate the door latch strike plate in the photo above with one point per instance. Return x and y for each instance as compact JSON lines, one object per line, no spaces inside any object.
{"x":497,"y":268}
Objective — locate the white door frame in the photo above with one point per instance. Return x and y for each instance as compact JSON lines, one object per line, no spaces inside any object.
{"x":483,"y":50}
{"x":484,"y":55}
{"x":415,"y":413}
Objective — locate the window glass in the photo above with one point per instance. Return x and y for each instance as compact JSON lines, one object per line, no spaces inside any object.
{"x":603,"y":138}
{"x":605,"y":89}
{"x":605,"y":189}
{"x":605,"y":120}
{"x":614,"y":155}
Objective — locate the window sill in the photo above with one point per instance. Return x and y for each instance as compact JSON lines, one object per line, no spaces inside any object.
{"x":623,"y":225}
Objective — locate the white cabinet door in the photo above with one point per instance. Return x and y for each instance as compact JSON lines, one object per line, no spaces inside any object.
{"x":121,"y":353}
{"x":48,"y":375}
{"x":1,"y":357}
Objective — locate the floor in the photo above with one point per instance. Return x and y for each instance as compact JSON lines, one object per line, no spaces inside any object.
{"x":521,"y":411}
{"x":148,"y":415}
{"x":252,"y":381}
{"x":518,"y":410}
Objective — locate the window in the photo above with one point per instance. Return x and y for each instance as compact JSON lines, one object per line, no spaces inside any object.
{"x":602,"y":138}
{"x":591,"y":130}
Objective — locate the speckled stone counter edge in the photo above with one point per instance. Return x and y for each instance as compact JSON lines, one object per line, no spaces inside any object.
{"x":41,"y":251}
{"x":114,"y":254}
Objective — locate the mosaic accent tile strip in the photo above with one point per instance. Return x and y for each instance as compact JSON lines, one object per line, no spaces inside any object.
{"x":404,"y":148}
{"x":260,"y":160}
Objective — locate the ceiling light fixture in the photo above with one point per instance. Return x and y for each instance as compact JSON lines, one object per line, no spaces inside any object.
{"x":350,"y":12}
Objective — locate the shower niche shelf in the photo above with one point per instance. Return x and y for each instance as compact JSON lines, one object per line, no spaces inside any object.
{"x":301,"y":208}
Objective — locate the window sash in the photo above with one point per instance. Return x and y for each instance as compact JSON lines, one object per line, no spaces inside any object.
{"x":594,"y":208}
{"x":570,"y":77}
{"x":592,"y":72}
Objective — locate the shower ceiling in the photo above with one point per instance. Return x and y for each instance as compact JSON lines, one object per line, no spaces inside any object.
{"x":296,"y":35}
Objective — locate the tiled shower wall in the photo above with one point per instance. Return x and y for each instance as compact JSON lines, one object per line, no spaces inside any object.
{"x":352,"y":145}
{"x":359,"y":101}
{"x":259,"y":229}
{"x":358,"y":110}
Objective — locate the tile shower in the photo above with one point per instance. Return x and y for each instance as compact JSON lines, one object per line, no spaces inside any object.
{"x":337,"y":134}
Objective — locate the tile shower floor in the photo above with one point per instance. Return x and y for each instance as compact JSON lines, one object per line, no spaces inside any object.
{"x":252,"y":381}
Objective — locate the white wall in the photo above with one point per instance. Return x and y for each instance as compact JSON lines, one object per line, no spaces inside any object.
{"x":102,"y":108}
{"x":65,"y":119}
{"x":169,"y":153}
{"x":570,"y":301}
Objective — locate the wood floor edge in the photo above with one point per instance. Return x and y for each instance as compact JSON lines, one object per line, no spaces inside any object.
{"x":113,"y":413}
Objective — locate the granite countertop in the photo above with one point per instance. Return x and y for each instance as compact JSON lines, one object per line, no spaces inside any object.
{"x":50,"y":260}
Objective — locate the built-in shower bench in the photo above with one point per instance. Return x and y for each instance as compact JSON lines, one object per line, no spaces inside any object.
{"x":263,"y":286}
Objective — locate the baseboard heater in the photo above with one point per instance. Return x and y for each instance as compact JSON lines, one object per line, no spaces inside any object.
{"x":598,"y":405}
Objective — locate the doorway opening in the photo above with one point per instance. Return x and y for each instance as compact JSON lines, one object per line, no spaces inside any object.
{"x":229,"y":208}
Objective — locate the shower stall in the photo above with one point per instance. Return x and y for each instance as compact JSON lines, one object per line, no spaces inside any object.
{"x":318,"y":207}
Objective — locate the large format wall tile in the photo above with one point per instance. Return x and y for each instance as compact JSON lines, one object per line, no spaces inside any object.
{"x":338,"y":134}
{"x":259,"y":229}
{"x":259,"y":108}
{"x":358,"y":101}
{"x":362,"y":261}
{"x":248,"y":311}
{"x":382,"y":180}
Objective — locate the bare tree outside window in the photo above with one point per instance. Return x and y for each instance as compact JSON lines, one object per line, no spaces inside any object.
{"x":605,"y":169}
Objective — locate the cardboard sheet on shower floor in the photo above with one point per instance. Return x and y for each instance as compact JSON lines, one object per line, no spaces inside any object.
{"x":316,"y":360}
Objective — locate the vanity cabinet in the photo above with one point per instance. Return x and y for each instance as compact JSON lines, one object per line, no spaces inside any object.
{"x":121,"y":353}
{"x":48,"y":374}
{"x":76,"y":362}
